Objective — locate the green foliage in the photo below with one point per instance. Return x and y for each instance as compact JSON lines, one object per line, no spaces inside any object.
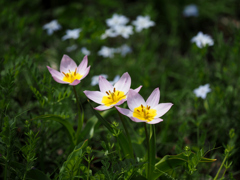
{"x":29,"y":152}
{"x":162,"y":56}
{"x":64,"y":122}
{"x":169,"y":162}
{"x":71,"y":166}
{"x":125,"y":169}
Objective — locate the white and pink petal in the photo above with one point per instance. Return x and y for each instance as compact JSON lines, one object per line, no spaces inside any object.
{"x":55,"y":73}
{"x":102,"y":107}
{"x":75,"y":82}
{"x":85,"y":72}
{"x":59,"y":80}
{"x":124,"y":111}
{"x":134,"y":100}
{"x":95,"y":96}
{"x":123,"y":83}
{"x":136,"y":119}
{"x":162,"y":108}
{"x":154,"y":98}
{"x":155,"y":121}
{"x":83,"y":65}
{"x":104,"y":85}
{"x":67,"y":64}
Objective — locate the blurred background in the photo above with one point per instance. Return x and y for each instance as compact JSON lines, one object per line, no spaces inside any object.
{"x":161,"y":55}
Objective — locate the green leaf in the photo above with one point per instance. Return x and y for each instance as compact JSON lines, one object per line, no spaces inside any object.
{"x":64,"y":122}
{"x":5,"y":134}
{"x":123,"y":142}
{"x":152,"y":149}
{"x":71,"y":167}
{"x":37,"y":175}
{"x":88,"y":131}
{"x":170,"y":162}
{"x":137,"y":176}
{"x":100,"y":118}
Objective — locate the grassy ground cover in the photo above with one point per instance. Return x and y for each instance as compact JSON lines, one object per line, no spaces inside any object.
{"x":161,"y":55}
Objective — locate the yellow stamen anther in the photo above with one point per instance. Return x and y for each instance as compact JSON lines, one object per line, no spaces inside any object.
{"x":113,"y":97}
{"x":75,"y":72}
{"x":71,"y":76}
{"x":144,"y":113}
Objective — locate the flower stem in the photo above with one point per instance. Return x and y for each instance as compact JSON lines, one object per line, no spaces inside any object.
{"x":147,"y":138}
{"x":88,"y":167}
{"x":198,"y":134}
{"x":215,"y":178}
{"x":6,"y":166}
{"x":80,"y":118}
{"x":126,"y":130}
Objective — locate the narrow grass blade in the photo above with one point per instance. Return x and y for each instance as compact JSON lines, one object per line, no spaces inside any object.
{"x":152,"y":151}
{"x":121,"y":138}
{"x":170,"y":162}
{"x":64,"y":122}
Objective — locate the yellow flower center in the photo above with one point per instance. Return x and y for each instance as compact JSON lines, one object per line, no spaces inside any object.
{"x":71,"y":76}
{"x":113,"y":97}
{"x":144,"y":113}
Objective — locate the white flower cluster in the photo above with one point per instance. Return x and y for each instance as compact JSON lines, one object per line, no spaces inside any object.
{"x":190,"y":10}
{"x":109,"y":52}
{"x":117,"y":26}
{"x":95,"y":79}
{"x":202,"y":40}
{"x":52,"y":26}
{"x":70,"y":34}
{"x":202,"y":91}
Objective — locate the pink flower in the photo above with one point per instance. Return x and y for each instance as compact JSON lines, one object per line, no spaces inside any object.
{"x":141,"y":111}
{"x":70,"y":73}
{"x":110,"y":95}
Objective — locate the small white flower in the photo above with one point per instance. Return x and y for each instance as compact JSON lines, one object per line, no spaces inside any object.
{"x":202,"y":91}
{"x":124,"y":31}
{"x":85,"y":51}
{"x":96,"y":78}
{"x":124,"y":49}
{"x":106,"y":52}
{"x":202,"y":40}
{"x":52,"y":26}
{"x":117,"y":20}
{"x":143,"y":22}
{"x":74,"y":34}
{"x":117,"y":77}
{"x":109,"y":33}
{"x":71,"y":48}
{"x":190,"y":10}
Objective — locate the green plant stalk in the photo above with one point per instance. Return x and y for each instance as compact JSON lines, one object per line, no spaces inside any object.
{"x":24,"y":177}
{"x":119,"y":150}
{"x":147,"y":138}
{"x":6,"y":166}
{"x":215,"y":178}
{"x":80,"y":118}
{"x":88,"y":167}
{"x":198,"y":134}
{"x":224,"y":173}
{"x":126,"y":130}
